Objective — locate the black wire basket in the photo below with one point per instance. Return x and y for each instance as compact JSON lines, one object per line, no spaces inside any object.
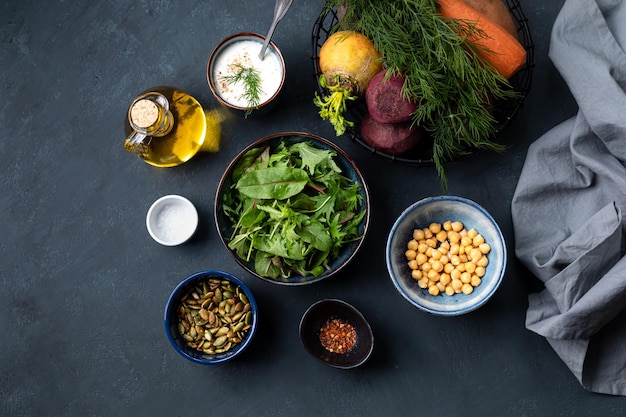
{"x":422,"y":155}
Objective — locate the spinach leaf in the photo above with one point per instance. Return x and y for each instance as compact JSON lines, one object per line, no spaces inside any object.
{"x":272,"y":183}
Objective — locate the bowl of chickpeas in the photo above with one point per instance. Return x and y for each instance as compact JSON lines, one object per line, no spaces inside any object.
{"x":446,"y":255}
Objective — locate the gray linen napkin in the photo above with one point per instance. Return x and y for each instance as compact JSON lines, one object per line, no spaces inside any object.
{"x":568,"y":206}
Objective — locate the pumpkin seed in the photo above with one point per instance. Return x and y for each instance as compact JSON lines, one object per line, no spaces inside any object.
{"x":214,"y":316}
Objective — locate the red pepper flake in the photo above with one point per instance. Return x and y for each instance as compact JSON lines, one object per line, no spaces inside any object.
{"x":338,"y":336}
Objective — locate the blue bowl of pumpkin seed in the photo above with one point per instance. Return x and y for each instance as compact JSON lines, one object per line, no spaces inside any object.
{"x":210,"y":317}
{"x":292,"y":209}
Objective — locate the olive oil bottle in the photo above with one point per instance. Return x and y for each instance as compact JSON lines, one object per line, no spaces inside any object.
{"x":184,"y":138}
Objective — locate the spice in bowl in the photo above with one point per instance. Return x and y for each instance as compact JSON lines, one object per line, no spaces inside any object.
{"x":338,"y":336}
{"x":336,"y":333}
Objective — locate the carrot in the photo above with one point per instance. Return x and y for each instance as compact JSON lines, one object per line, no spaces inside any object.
{"x":495,"y":45}
{"x":497,"y":11}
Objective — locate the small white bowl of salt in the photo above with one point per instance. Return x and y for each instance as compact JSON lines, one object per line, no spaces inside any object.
{"x":172,"y":220}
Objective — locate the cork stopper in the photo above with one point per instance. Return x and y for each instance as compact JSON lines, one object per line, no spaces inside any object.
{"x":144,"y":113}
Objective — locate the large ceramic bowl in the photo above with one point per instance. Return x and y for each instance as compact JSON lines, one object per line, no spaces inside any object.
{"x":439,"y":210}
{"x":334,"y":263}
{"x":187,"y":329}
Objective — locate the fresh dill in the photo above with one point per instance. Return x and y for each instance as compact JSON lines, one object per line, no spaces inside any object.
{"x":251,"y":80}
{"x":454,"y":86}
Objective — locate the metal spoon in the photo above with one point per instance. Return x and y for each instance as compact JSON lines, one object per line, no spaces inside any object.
{"x":280,"y":9}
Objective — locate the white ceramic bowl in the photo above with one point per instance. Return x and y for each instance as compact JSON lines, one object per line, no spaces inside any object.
{"x":172,"y":220}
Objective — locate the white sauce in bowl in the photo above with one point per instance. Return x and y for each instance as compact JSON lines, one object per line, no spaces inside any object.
{"x":245,"y":53}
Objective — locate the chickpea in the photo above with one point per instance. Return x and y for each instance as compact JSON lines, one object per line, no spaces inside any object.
{"x":434,"y":228}
{"x":478,"y":240}
{"x":433,"y":275}
{"x":437,"y":266}
{"x":446,"y":258}
{"x":455,"y":274}
{"x":454,"y":237}
{"x":475,"y":281}
{"x":475,"y":254}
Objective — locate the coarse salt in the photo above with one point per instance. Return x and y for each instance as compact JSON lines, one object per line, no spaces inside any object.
{"x":174,"y":222}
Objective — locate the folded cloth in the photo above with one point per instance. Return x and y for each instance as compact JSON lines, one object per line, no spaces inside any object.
{"x":569,"y":204}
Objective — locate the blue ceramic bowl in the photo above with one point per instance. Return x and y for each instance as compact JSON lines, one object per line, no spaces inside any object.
{"x":171,"y":318}
{"x":439,"y":210}
{"x":349,"y":170}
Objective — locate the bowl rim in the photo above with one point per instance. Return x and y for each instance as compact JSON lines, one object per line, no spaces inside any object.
{"x":305,"y":137}
{"x":308,"y":313}
{"x":481,"y":210}
{"x":179,"y":199}
{"x":182,"y":285}
{"x":215,"y":53}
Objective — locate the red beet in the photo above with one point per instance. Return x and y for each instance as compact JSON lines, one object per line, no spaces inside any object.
{"x":390,"y":138}
{"x":385,"y":101}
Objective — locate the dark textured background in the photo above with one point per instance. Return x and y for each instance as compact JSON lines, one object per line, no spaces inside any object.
{"x":83,"y":286}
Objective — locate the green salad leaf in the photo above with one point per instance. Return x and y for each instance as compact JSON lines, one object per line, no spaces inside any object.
{"x":292,"y":209}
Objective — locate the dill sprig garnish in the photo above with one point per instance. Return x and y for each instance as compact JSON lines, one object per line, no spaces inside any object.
{"x":454,"y":87}
{"x":251,"y":80}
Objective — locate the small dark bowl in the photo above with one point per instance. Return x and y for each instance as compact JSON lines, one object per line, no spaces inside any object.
{"x":349,"y":170}
{"x":171,"y":319}
{"x":263,"y":107}
{"x":322,"y":311}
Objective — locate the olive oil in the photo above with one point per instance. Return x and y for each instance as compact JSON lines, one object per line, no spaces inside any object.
{"x":186,"y":136}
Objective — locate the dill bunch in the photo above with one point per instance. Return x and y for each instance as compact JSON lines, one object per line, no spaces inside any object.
{"x":454,"y":87}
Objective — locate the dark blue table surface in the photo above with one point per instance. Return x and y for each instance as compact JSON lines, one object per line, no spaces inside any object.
{"x":83,"y":286}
